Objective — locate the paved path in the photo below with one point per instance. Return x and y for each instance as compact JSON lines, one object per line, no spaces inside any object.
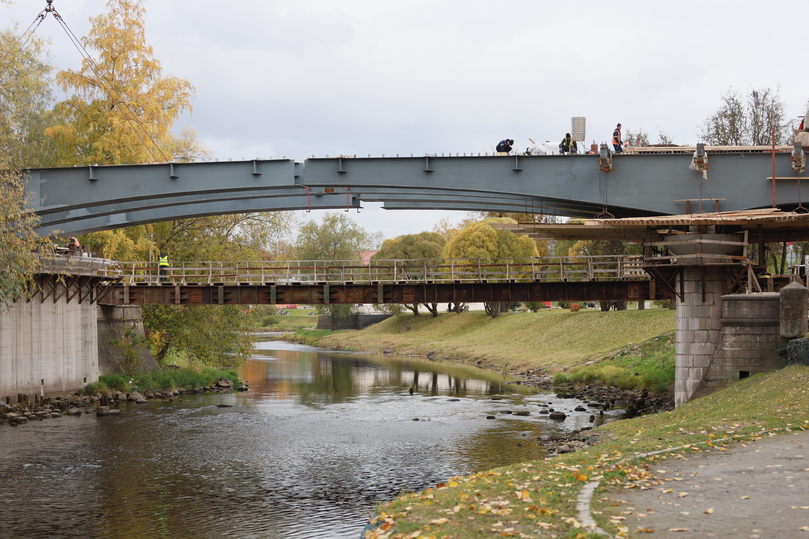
{"x":761,"y":490}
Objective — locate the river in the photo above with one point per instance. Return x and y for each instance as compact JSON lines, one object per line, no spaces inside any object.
{"x":317,"y":442}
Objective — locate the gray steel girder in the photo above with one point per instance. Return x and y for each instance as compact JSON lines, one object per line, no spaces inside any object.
{"x":94,"y":198}
{"x":652,"y":184}
{"x":82,"y":187}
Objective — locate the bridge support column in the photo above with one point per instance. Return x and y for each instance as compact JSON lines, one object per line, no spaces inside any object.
{"x":47,"y":346}
{"x":699,"y":325}
{"x":121,"y":340}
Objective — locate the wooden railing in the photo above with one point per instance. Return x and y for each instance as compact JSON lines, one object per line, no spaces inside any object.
{"x":301,"y":272}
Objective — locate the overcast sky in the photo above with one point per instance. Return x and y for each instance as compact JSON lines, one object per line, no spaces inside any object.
{"x":323,"y":77}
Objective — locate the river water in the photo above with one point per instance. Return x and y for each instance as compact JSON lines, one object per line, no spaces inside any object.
{"x":317,"y":442}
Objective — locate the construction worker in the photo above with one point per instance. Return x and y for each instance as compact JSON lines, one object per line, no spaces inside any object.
{"x":163,"y":266}
{"x":73,"y":245}
{"x":504,"y":146}
{"x":568,"y":145}
{"x":617,"y":143}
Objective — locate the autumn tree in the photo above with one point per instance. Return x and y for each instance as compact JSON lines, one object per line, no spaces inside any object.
{"x":336,"y":237}
{"x":481,"y":241}
{"x":636,"y":138}
{"x":24,"y":98}
{"x":122,"y":106}
{"x":25,"y":102}
{"x":423,"y":246}
{"x":740,"y":122}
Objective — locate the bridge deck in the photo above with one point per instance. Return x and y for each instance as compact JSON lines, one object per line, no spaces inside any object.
{"x":615,"y":277}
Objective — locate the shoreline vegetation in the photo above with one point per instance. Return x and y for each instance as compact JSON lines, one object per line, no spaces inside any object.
{"x":115,"y":389}
{"x":164,"y":379}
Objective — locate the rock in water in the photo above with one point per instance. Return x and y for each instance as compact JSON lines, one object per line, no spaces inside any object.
{"x":224,"y":383}
{"x":559,"y":416}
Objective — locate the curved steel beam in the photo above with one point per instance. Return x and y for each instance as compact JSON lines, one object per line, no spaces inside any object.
{"x":139,"y":217}
{"x":523,"y":203}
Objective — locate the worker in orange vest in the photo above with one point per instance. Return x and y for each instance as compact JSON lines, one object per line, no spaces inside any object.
{"x":617,"y":143}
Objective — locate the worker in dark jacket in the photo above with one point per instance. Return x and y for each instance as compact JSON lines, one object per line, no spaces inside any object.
{"x":504,"y":146}
{"x":617,"y":143}
{"x":568,"y":145}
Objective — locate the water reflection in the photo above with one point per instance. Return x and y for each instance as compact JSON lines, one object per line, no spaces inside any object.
{"x":316,"y":443}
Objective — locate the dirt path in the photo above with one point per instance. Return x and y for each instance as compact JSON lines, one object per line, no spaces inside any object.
{"x":761,"y":490}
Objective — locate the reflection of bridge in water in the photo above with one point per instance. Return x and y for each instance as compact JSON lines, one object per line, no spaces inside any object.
{"x":608,"y":277}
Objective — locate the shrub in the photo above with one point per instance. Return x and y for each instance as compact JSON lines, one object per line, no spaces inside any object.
{"x":115,"y":382}
{"x":648,"y":366}
{"x":93,"y":388}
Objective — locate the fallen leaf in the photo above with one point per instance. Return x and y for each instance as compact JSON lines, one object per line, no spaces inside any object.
{"x":439,"y":521}
{"x":744,"y":497}
{"x":679,"y":529}
{"x":709,"y":511}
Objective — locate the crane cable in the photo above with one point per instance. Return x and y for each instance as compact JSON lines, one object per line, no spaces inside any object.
{"x":112,"y":94}
{"x":25,"y":37}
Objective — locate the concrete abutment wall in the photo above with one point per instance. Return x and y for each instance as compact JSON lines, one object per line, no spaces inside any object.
{"x":56,"y":347}
{"x":47,"y":347}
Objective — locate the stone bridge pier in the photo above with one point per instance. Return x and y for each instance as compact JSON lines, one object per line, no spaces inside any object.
{"x":725,"y":332}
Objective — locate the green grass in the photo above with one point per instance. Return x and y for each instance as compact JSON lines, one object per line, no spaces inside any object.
{"x":649,"y":365}
{"x":549,"y":339}
{"x":540,"y":496}
{"x":160,"y":380}
{"x":294,"y":319}
{"x":312,"y":337}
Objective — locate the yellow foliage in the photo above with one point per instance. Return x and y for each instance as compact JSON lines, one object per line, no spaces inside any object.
{"x":123,"y":106}
{"x":482,"y":241}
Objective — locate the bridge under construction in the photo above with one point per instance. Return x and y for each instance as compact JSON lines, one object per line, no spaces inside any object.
{"x":704,"y":217}
{"x":648,"y":182}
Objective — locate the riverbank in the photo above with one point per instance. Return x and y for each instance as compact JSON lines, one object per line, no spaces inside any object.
{"x":547,"y":341}
{"x":112,"y":390}
{"x":542,"y":495}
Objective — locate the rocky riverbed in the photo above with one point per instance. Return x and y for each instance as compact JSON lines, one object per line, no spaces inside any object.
{"x":101,"y":404}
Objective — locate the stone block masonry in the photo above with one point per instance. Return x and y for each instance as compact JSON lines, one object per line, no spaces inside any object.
{"x":698,"y":329}
{"x":749,"y":340}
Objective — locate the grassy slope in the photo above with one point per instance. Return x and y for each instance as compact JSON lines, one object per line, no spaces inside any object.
{"x":294,"y":319}
{"x":549,"y":339}
{"x":529,"y":497}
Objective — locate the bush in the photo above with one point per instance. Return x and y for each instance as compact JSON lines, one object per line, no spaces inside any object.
{"x":647,"y":366}
{"x":93,"y":388}
{"x":161,"y":380}
{"x":115,"y":382}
